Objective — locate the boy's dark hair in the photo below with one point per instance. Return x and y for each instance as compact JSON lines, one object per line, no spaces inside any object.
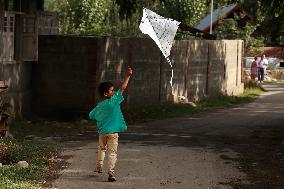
{"x":104,"y":87}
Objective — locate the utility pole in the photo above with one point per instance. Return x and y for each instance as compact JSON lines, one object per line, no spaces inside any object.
{"x":211,"y":17}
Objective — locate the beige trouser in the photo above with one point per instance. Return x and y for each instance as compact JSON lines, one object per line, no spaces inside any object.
{"x":108,"y":142}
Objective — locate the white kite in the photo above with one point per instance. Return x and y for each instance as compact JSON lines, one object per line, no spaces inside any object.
{"x":161,"y":30}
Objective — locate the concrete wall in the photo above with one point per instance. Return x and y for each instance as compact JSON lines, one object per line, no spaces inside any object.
{"x":18,"y":77}
{"x":69,"y":69}
{"x":64,"y":79}
{"x":233,"y":63}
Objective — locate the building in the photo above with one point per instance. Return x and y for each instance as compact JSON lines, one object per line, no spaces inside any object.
{"x":223,"y":13}
{"x":21,"y":22}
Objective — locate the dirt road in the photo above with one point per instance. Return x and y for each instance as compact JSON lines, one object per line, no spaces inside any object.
{"x":239,"y":147}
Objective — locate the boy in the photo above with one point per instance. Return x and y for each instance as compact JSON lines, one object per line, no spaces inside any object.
{"x":110,"y":122}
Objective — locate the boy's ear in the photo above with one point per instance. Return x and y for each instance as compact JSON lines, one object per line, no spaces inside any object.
{"x":105,"y":94}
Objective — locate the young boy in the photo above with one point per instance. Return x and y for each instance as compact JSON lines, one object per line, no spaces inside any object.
{"x":110,"y":122}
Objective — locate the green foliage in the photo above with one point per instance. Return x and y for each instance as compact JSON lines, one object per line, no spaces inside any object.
{"x":93,"y":16}
{"x":81,"y":17}
{"x":122,"y":18}
{"x":229,"y":29}
{"x":116,"y":17}
{"x":186,"y":11}
{"x":8,"y":183}
{"x":61,"y":7}
{"x":270,"y":17}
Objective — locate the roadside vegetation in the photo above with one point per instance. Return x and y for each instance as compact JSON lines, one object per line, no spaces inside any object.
{"x":36,"y":153}
{"x":149,"y":113}
{"x":38,"y":141}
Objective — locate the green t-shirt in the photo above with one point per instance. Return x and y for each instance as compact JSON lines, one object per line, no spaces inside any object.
{"x":108,"y":115}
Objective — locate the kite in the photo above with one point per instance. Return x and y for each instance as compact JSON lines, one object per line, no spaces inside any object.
{"x":162,"y":31}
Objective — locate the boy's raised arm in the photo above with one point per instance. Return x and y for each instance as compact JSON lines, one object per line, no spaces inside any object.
{"x":126,"y":79}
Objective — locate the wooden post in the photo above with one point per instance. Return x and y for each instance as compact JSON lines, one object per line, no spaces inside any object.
{"x":186,"y":69}
{"x":207,"y":70}
{"x":237,"y":75}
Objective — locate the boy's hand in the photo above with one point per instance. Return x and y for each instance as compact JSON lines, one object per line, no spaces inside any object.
{"x":126,"y":79}
{"x":129,"y":71}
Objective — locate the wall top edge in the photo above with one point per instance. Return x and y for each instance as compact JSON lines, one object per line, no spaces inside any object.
{"x":115,"y":37}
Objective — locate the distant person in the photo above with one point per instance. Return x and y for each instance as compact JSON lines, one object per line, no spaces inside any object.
{"x":265,"y":63}
{"x":254,"y":69}
{"x":262,"y":65}
{"x":110,"y":122}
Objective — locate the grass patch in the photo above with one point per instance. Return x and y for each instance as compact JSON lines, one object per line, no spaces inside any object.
{"x":36,"y":153}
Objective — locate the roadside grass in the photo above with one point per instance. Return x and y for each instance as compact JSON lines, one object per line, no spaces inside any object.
{"x":36,"y":153}
{"x":39,"y":153}
{"x":149,"y":113}
{"x":35,"y":143}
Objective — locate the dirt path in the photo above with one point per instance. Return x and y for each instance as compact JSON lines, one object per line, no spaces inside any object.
{"x":231,"y":148}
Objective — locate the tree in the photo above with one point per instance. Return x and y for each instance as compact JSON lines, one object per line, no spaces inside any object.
{"x":116,"y":17}
{"x":81,"y":17}
{"x":61,"y":7}
{"x":275,"y":18}
{"x":122,"y":17}
{"x":271,"y":27}
{"x":187,"y":11}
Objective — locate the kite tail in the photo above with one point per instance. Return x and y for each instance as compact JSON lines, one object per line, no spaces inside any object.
{"x":171,"y":82}
{"x":172,"y":70}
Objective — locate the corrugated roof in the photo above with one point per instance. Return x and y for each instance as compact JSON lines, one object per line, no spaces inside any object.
{"x":204,"y":24}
